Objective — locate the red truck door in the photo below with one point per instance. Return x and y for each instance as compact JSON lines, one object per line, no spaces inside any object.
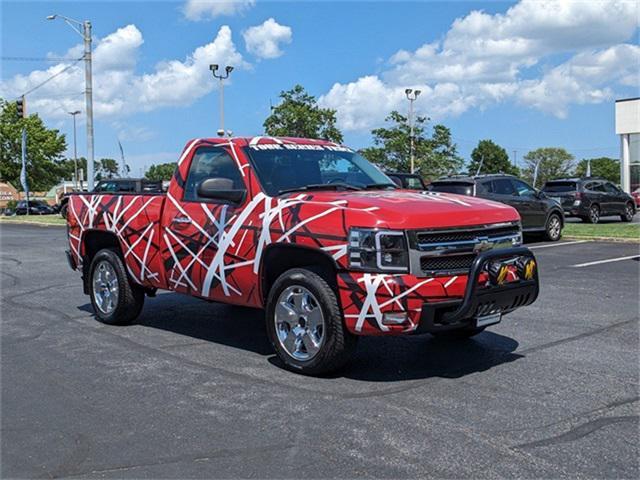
{"x":198,"y":248}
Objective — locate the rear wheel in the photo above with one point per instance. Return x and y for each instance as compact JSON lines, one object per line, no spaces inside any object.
{"x":594,"y":214}
{"x":459,"y":334}
{"x":64,"y":210}
{"x":304,"y":324}
{"x":627,"y":216}
{"x":553,"y":230}
{"x":115,"y":299}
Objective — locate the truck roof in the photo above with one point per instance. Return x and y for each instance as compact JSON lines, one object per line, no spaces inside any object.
{"x":262,"y":140}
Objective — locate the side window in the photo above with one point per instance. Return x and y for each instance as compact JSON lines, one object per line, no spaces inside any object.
{"x":483,"y":188}
{"x":414,"y":183}
{"x":503,"y":186}
{"x":588,"y":186}
{"x":598,"y":187}
{"x":611,"y":188}
{"x":210,"y":162}
{"x":522,"y":188}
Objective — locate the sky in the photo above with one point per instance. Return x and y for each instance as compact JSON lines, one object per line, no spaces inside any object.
{"x":527,"y":74}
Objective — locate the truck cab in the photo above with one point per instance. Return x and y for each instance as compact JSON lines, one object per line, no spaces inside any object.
{"x":314,"y":234}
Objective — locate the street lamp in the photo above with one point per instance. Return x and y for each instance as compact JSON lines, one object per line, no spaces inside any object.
{"x":75,"y":148}
{"x":214,"y":69}
{"x":412,"y":95}
{"x":84,"y":30}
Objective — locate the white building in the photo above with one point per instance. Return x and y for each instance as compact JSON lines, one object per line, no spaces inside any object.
{"x":628,"y":127}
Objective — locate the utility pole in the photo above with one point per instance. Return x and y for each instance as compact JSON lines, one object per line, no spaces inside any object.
{"x":75,"y":150}
{"x":412,"y":95}
{"x":84,"y":30}
{"x":214,"y":69}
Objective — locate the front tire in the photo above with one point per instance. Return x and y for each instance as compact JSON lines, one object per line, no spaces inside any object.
{"x":629,"y":211}
{"x":304,"y":324}
{"x":115,"y":299}
{"x":553,"y":229}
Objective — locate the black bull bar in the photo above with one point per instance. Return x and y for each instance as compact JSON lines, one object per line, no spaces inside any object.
{"x":482,"y":299}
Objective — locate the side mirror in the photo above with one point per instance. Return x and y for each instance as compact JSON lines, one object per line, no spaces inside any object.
{"x":220,"y":189}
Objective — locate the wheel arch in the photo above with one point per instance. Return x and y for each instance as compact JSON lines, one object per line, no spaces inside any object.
{"x":92,"y":242}
{"x":278,"y":258}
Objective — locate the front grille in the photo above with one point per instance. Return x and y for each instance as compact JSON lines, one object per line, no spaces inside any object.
{"x":465,"y":235}
{"x":447,"y":264}
{"x":440,"y":252}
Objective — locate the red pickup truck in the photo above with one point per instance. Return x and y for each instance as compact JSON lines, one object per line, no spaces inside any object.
{"x":313,"y":233}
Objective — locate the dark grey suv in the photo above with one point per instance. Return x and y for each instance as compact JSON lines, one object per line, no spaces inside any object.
{"x":591,"y":198}
{"x":538,"y":212}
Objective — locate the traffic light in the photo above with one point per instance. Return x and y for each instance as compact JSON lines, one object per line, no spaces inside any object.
{"x":21,"y":105}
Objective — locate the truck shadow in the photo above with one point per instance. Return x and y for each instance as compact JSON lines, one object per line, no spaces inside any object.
{"x":377,"y":359}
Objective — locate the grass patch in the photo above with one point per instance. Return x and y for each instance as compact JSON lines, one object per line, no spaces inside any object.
{"x":628,"y":231}
{"x":35,"y":219}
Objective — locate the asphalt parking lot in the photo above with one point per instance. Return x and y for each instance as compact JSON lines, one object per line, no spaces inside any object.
{"x":194,"y":390}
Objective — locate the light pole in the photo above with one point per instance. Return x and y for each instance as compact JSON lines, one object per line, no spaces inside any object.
{"x":75,"y":149}
{"x":214,"y":69}
{"x":84,"y":31}
{"x":411,"y":96}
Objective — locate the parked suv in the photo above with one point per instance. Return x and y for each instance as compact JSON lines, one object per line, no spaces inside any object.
{"x":538,"y":212}
{"x":36,"y":207}
{"x":591,"y":198}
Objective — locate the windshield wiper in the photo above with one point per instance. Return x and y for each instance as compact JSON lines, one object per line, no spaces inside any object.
{"x":373,"y":186}
{"x":320,"y":186}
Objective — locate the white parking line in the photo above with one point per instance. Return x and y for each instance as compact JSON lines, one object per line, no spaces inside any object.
{"x":557,"y":244}
{"x":609,"y":260}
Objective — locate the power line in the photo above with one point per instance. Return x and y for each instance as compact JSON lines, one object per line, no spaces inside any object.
{"x":37,"y":59}
{"x":50,"y":78}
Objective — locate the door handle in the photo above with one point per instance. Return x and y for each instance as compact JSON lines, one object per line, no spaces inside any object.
{"x":180,"y":222}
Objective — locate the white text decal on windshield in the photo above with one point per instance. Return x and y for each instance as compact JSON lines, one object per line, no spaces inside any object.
{"x":299,"y":146}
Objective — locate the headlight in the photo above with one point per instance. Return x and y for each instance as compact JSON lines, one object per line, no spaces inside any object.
{"x":378,"y":250}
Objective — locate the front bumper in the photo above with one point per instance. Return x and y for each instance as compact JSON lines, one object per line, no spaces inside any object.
{"x":436,"y":303}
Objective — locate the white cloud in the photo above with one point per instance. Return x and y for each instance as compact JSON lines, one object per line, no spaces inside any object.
{"x":486,"y":59}
{"x":203,"y":9}
{"x":118,"y":88}
{"x":264,"y":40}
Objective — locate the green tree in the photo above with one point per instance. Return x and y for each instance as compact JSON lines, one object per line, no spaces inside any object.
{"x":44,"y":149}
{"x":107,"y":168}
{"x":434,"y":155}
{"x":162,"y":171}
{"x":299,"y":115}
{"x":490,"y":157}
{"x":604,"y":167}
{"x":553,"y":163}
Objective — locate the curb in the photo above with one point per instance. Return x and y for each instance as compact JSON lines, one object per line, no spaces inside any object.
{"x":603,"y":239}
{"x":39,"y":224}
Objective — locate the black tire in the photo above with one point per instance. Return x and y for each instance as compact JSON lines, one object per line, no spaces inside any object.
{"x":130,"y":296}
{"x":459,"y":334}
{"x":629,"y":211}
{"x":338,"y":343}
{"x":63,"y":210}
{"x":553,"y":228}
{"x":593,"y":215}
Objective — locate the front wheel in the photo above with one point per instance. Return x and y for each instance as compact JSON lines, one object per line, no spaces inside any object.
{"x":553,"y":230}
{"x":115,"y":299}
{"x":304,"y":324}
{"x":627,"y":216}
{"x":594,"y":215}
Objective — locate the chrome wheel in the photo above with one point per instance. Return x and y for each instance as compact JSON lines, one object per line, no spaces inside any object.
{"x":299,"y":323}
{"x":554,"y":228}
{"x":105,"y":287}
{"x":594,"y":214}
{"x":628,"y":213}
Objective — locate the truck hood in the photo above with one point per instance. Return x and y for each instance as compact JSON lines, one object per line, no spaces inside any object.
{"x":406,"y":209}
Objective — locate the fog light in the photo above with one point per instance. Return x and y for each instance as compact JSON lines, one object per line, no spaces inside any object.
{"x":394,"y":318}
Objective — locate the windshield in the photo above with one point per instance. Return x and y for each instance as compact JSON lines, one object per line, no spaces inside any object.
{"x":460,"y":188}
{"x":558,"y":187}
{"x":290,"y":167}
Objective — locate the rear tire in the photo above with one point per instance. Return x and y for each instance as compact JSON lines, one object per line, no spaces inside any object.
{"x":116,"y":300}
{"x":553,"y":229}
{"x":629,"y":211}
{"x":64,"y":210}
{"x":593,"y":215}
{"x":459,"y":334}
{"x":299,"y":302}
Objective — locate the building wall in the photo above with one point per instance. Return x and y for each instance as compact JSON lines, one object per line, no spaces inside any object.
{"x":628,"y":128}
